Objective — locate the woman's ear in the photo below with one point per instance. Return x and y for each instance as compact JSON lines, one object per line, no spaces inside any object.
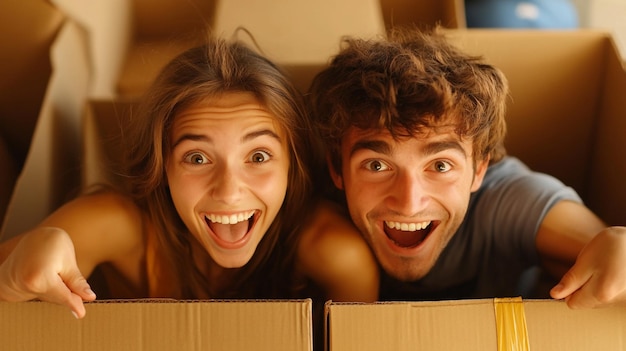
{"x":334,"y":175}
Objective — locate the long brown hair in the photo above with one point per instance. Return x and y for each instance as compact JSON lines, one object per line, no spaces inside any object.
{"x":202,"y":72}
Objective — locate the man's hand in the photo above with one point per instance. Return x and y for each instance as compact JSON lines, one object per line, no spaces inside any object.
{"x":43,"y":266}
{"x":598,"y":277}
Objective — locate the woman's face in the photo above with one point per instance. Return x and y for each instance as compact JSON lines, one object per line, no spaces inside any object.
{"x":227,"y":174}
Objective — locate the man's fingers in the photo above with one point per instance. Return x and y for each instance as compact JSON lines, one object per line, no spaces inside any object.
{"x":582,"y":298}
{"x":570,"y":283}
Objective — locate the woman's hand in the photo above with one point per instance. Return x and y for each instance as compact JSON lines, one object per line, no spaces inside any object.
{"x":43,"y":266}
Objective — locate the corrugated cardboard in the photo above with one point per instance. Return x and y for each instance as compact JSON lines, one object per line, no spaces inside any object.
{"x":567,"y":111}
{"x":300,"y":35}
{"x":159,"y":325}
{"x":27,"y":29}
{"x":51,"y":172}
{"x":424,"y":13}
{"x":7,"y":177}
{"x":469,"y":325}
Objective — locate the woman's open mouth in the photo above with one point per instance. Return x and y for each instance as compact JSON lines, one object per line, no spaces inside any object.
{"x":408,"y":234}
{"x":231,"y":230}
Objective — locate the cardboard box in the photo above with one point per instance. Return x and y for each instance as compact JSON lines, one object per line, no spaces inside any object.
{"x":567,"y":112}
{"x":51,"y":171}
{"x":7,"y":177}
{"x":471,"y":325}
{"x":159,"y":325}
{"x":28,"y":29}
{"x":424,"y":13}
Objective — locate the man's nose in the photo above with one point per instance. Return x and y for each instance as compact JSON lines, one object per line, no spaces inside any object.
{"x":409,"y":194}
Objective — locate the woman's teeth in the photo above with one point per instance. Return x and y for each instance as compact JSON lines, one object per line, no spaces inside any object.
{"x":231,"y":219}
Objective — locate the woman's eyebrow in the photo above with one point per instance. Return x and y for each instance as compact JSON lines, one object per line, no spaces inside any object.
{"x":208,"y":139}
{"x":192,"y":137}
{"x":258,"y":133}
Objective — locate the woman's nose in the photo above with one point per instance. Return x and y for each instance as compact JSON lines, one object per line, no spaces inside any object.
{"x":225,"y":185}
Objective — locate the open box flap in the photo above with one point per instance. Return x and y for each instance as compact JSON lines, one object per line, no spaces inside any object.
{"x":52,"y":169}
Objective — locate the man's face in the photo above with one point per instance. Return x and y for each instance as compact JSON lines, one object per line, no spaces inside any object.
{"x":407,"y":196}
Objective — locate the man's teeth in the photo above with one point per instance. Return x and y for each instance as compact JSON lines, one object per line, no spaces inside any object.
{"x":232,"y":219}
{"x":407,"y":227}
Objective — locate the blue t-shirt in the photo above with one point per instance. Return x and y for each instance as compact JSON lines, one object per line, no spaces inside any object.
{"x":495,"y":244}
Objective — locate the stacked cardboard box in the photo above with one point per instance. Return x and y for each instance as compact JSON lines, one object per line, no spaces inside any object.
{"x":567,"y":113}
{"x":25,"y":71}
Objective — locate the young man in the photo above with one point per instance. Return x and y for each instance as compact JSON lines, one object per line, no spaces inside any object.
{"x":414,"y":130}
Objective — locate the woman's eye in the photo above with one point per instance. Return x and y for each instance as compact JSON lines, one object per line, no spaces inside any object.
{"x":196,"y":158}
{"x":260,"y":157}
{"x":376,"y":166}
{"x":442,"y":166}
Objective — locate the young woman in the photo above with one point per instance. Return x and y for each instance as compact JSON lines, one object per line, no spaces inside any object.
{"x":217,"y":201}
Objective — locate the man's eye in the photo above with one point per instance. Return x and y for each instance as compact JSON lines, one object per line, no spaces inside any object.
{"x":260,"y":157}
{"x":376,"y":166}
{"x":196,"y":158}
{"x":442,"y":166}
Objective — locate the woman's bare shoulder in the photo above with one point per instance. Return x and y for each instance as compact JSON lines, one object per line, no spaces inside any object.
{"x":106,"y":209}
{"x":330,"y":225}
{"x":104,"y":226}
{"x":333,"y":253}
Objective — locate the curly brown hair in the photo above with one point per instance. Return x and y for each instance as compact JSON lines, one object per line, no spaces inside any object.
{"x":409,"y":82}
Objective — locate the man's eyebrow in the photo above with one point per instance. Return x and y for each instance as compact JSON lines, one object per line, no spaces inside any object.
{"x":245,"y":138}
{"x":429,"y":149}
{"x":373,"y":145}
{"x":439,"y":146}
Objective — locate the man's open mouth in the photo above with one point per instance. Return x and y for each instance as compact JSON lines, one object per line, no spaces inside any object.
{"x":231,"y":228}
{"x":408,"y":234}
